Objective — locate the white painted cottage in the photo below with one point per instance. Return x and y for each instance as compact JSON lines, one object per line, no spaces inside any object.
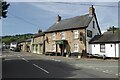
{"x":107,"y":44}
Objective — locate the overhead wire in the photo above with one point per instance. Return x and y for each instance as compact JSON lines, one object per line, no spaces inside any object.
{"x":76,"y":3}
{"x":22,"y":19}
{"x":70,"y":3}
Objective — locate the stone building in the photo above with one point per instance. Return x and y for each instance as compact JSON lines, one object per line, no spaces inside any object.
{"x":73,"y":34}
{"x":37,"y":43}
{"x":25,"y":45}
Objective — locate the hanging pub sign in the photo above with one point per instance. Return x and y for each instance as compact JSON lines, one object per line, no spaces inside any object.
{"x":89,"y":33}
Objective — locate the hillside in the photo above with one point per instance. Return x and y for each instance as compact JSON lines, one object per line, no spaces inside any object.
{"x":16,"y":38}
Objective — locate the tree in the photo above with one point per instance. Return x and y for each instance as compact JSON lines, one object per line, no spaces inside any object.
{"x":112,"y":28}
{"x":3,"y":8}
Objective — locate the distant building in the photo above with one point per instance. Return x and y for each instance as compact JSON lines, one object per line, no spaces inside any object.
{"x":25,"y":46}
{"x":13,"y":45}
{"x":37,"y":43}
{"x":72,"y":34}
{"x":107,"y":44}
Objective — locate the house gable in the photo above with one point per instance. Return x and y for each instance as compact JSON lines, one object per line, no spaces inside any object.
{"x":94,"y":28}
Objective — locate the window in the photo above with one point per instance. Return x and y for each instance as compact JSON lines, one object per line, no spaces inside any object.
{"x":62,"y":35}
{"x":75,"y":34}
{"x":102,"y":48}
{"x":36,"y":48}
{"x":53,"y":36}
{"x":81,"y":36}
{"x":53,"y":47}
{"x":75,"y":47}
{"x":93,"y":24}
{"x":89,"y":33}
{"x":33,"y":47}
{"x":111,"y":45}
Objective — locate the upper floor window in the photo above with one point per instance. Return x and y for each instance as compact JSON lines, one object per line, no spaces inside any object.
{"x":89,"y":33}
{"x":81,"y":36}
{"x":102,"y":48}
{"x":75,"y":34}
{"x":62,"y":35}
{"x":53,"y":36}
{"x":93,"y":24}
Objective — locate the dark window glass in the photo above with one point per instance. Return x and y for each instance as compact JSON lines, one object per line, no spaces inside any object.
{"x":102,"y":48}
{"x":89,"y":33}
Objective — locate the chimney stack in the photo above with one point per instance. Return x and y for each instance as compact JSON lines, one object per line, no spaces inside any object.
{"x":91,"y":10}
{"x":39,"y":31}
{"x":58,"y":18}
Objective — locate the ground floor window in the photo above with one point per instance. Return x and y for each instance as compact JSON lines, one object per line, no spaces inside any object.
{"x":33,"y":47}
{"x":53,"y":47}
{"x":36,"y":48}
{"x":40,"y":48}
{"x":102,"y":48}
{"x":75,"y":47}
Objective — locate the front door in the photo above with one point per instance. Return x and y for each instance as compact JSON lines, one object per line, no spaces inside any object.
{"x":61,"y":49}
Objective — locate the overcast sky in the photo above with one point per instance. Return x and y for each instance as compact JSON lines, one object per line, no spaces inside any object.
{"x":28,"y":17}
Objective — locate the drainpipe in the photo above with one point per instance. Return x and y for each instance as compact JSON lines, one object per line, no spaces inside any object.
{"x":115,"y":50}
{"x":85,"y":41}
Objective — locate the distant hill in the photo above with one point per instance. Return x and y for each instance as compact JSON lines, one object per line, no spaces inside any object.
{"x":16,"y":38}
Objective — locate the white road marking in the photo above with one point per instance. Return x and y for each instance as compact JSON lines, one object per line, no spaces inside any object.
{"x":18,"y":56}
{"x":90,"y":66}
{"x":104,"y":71}
{"x":25,"y":59}
{"x":41,"y":68}
{"x":7,"y":59}
{"x":58,"y":60}
{"x":105,"y":66}
{"x":4,"y":55}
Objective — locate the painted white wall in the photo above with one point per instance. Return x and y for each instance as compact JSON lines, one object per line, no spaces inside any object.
{"x":109,"y":51}
{"x":118,"y":49}
{"x":95,"y":31}
{"x":13,"y":44}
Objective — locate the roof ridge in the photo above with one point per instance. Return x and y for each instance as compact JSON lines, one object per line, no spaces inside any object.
{"x":76,"y":22}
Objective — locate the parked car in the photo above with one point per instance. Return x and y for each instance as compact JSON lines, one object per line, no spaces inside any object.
{"x":17,"y":49}
{"x":12,"y":48}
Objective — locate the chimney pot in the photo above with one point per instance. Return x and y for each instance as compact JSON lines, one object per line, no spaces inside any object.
{"x":58,"y":18}
{"x":91,"y":10}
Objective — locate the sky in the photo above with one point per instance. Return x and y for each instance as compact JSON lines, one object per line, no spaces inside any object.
{"x":29,"y":17}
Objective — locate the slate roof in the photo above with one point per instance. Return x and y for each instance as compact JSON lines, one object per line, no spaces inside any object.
{"x":39,"y":34}
{"x":107,"y":37}
{"x":71,"y":23}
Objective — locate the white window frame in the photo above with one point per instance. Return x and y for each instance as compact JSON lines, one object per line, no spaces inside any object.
{"x":75,"y":34}
{"x":62,"y":35}
{"x":102,"y":48}
{"x":53,"y":36}
{"x":53,"y":47}
{"x":75,"y":47}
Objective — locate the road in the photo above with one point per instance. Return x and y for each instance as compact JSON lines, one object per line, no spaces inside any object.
{"x":28,"y":65}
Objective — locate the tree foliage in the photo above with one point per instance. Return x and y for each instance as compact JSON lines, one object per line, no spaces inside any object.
{"x":16,"y":38}
{"x":112,"y":28}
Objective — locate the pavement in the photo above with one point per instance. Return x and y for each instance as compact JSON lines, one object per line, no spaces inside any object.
{"x":31,"y":65}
